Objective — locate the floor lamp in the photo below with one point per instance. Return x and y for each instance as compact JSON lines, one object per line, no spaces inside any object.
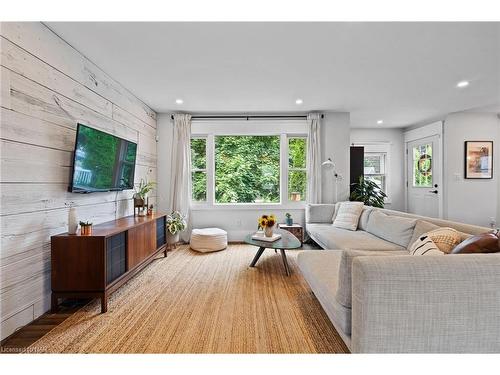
{"x":331,"y":165}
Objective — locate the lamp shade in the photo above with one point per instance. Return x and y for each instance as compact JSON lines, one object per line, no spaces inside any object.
{"x":328,"y":163}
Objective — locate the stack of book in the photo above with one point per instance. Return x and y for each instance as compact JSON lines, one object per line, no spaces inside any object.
{"x":260,"y":236}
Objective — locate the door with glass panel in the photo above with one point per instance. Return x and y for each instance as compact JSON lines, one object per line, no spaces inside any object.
{"x":424,"y":176}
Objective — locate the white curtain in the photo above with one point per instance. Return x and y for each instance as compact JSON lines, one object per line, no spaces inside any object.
{"x":314,"y":158}
{"x":180,"y":184}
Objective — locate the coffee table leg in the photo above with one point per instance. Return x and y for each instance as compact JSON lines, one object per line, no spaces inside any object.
{"x":257,"y":256}
{"x":283,"y":256}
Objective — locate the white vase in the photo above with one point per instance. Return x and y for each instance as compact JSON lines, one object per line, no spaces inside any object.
{"x":72,"y":221}
{"x":172,"y":238}
{"x":268,"y":231}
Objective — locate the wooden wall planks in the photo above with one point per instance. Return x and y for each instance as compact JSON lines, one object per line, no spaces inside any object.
{"x":47,"y":87}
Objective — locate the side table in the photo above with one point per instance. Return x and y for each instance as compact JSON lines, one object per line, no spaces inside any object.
{"x":296,"y":229}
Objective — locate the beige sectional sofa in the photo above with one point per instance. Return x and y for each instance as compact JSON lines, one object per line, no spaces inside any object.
{"x":381,"y":299}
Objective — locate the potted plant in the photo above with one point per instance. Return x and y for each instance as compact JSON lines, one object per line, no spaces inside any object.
{"x":140,"y":196}
{"x":176,"y":223}
{"x":86,"y":228}
{"x":368,"y":192}
{"x":266,"y":222}
{"x":289,"y":219}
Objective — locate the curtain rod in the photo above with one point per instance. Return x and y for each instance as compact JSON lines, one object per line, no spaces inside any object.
{"x":249,"y":117}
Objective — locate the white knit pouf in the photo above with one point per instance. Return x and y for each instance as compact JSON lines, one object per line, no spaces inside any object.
{"x":208,"y":239}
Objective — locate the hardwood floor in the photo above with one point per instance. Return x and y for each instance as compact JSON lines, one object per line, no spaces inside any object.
{"x":196,"y":303}
{"x":19,"y":341}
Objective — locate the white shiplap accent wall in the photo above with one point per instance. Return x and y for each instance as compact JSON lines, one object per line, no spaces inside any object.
{"x":47,"y":87}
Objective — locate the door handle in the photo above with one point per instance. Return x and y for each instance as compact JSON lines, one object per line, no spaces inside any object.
{"x":433,"y":191}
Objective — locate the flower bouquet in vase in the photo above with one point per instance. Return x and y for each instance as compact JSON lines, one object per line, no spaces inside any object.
{"x":266,"y":223}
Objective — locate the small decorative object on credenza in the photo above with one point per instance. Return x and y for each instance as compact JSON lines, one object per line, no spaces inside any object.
{"x":289,"y":219}
{"x":72,"y":220}
{"x":150,"y":210}
{"x":267,"y":222}
{"x":141,"y":199}
{"x":478,"y":159}
{"x":176,"y":223}
{"x":86,"y":228}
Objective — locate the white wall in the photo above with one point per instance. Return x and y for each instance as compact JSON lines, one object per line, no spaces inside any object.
{"x":47,"y":87}
{"x":396,"y":171}
{"x":470,"y":201}
{"x":335,"y":144}
{"x":240,"y":221}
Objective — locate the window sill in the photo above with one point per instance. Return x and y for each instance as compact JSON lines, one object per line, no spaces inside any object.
{"x":248,"y":206}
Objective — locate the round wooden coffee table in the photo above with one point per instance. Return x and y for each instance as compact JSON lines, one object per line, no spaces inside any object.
{"x":287,"y":242}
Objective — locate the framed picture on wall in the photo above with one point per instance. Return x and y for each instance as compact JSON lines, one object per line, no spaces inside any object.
{"x":478,"y":159}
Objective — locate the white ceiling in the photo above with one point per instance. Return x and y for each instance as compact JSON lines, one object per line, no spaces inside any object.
{"x":403,"y":73}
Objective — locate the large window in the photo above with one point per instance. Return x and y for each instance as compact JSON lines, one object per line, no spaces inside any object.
{"x":199,"y":169}
{"x":244,"y":168}
{"x":247,"y":169}
{"x":297,"y":177}
{"x":375,"y":168}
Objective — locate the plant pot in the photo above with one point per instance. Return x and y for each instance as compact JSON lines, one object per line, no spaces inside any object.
{"x":172,"y":238}
{"x":86,"y":230}
{"x":289,"y":221}
{"x":268,"y":231}
{"x":139,"y":202}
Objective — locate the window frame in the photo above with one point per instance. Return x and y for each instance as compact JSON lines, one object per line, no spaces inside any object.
{"x":383,"y":155}
{"x":282,"y":128}
{"x":191,"y":170}
{"x":380,"y":148}
{"x":292,"y":169}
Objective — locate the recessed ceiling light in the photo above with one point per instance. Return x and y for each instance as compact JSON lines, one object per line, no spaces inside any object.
{"x":179,"y":101}
{"x":462,"y":84}
{"x":299,"y":101}
{"x":380,"y":122}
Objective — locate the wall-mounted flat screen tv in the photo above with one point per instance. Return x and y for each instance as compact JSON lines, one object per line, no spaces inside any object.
{"x":102,"y":162}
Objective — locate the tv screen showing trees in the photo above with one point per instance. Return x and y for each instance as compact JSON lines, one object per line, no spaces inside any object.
{"x":102,"y":162}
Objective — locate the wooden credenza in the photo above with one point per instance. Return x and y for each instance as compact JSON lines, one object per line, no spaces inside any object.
{"x":94,"y":266}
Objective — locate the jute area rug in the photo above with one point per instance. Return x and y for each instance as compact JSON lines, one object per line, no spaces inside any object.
{"x":203,"y":303}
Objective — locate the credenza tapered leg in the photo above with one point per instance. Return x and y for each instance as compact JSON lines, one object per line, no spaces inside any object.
{"x":54,"y":303}
{"x":104,"y":303}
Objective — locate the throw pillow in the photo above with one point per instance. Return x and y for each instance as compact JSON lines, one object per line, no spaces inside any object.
{"x":424,"y":245}
{"x":445,"y":238}
{"x":421,"y":228}
{"x":481,"y":243}
{"x":348,"y":215}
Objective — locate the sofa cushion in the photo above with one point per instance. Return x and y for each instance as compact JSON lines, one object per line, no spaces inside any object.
{"x":395,"y":229}
{"x":320,"y":213}
{"x":348,"y":215}
{"x":321,"y":271}
{"x":336,"y":238}
{"x":344,"y":288}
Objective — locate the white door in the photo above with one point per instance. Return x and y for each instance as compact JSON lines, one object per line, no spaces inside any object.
{"x":424,"y":176}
